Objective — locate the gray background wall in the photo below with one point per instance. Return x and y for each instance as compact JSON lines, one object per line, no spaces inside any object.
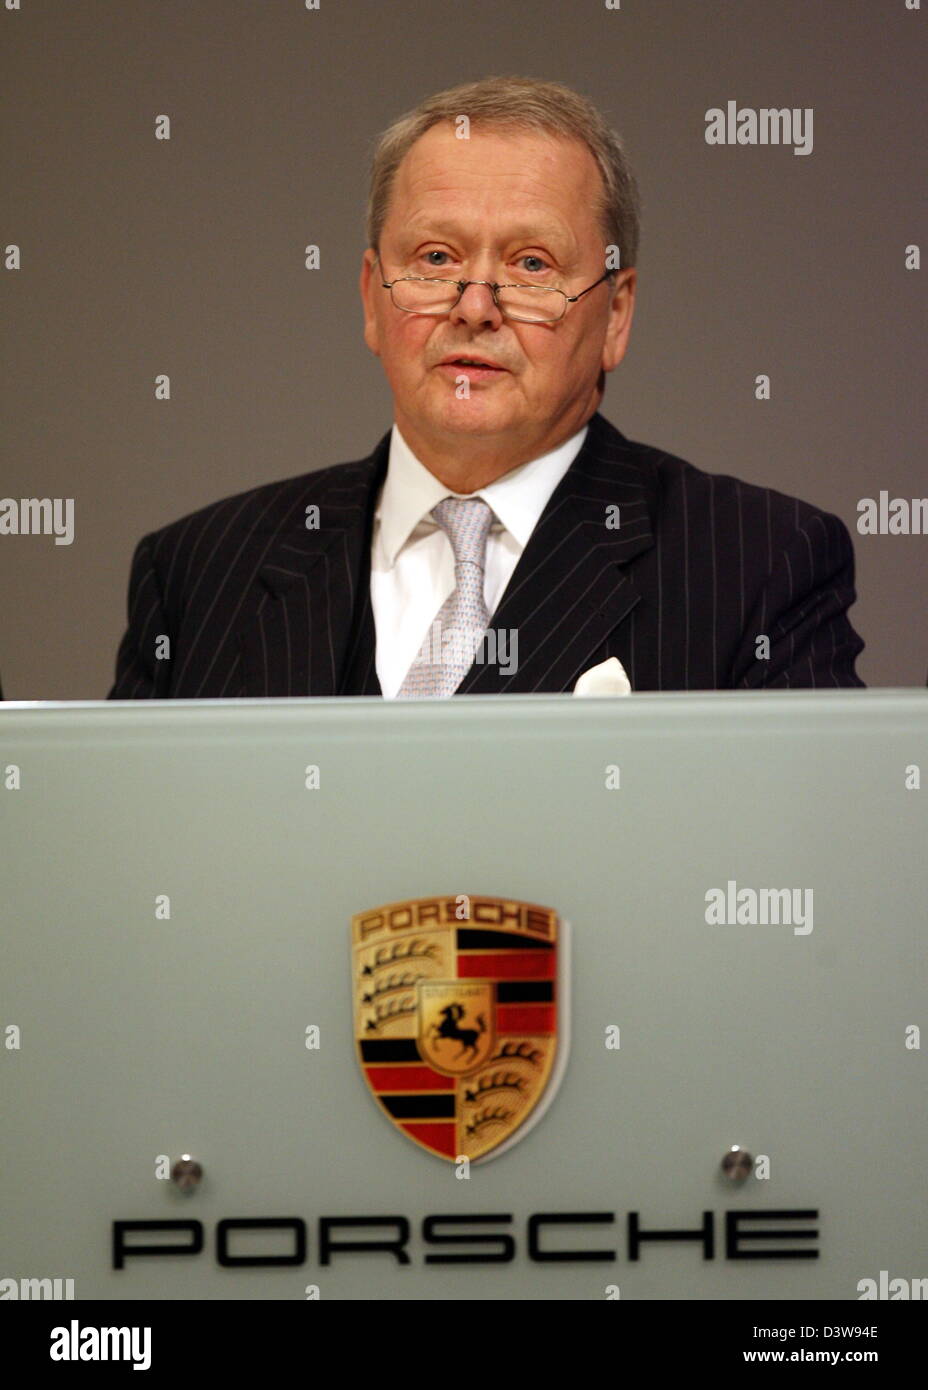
{"x":142,"y":256}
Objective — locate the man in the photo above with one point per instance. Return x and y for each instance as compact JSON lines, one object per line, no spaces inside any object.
{"x":503,"y":537}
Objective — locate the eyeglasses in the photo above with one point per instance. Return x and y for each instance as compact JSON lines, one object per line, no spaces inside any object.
{"x":425,"y":294}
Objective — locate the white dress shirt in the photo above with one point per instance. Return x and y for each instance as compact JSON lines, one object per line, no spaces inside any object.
{"x":412,"y":563}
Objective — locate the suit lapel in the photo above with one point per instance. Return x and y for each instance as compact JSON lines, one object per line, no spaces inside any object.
{"x":569,"y":591}
{"x":303,"y":627}
{"x":360,"y":673}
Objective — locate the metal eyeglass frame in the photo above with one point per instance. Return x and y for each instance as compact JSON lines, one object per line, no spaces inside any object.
{"x":494,"y":290}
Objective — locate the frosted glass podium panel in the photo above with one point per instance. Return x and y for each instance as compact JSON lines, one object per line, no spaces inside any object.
{"x":489,"y":998}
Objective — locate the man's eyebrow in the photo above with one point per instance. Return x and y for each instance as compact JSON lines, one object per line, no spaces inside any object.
{"x":527,"y":232}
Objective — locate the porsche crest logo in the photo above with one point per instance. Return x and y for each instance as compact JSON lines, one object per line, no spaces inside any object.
{"x":456,"y":1017}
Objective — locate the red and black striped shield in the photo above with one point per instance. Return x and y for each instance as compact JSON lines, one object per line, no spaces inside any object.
{"x":456,"y":1007}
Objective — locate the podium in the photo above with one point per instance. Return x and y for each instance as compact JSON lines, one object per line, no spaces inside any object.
{"x":486,"y":998}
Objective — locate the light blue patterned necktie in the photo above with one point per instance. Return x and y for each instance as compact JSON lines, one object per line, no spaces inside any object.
{"x":447,"y":653}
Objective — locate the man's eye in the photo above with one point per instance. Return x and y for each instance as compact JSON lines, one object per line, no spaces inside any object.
{"x":539,"y":264}
{"x":430,"y":254}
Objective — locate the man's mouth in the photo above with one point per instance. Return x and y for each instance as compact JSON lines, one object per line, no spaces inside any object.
{"x":472,"y":364}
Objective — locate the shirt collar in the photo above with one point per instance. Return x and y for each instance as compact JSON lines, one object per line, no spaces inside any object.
{"x":518,"y":498}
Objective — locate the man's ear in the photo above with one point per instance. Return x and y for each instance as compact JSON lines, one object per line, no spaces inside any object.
{"x":621,"y":313}
{"x":369,"y":286}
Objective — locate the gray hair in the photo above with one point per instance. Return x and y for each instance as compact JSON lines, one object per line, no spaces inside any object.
{"x":517,"y":103}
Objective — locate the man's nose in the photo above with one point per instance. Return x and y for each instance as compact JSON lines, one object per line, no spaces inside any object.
{"x":476,"y":307}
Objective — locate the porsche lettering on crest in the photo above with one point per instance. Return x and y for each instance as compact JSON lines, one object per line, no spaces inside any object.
{"x":456,"y":1003}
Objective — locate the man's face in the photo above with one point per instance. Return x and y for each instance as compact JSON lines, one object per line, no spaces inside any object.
{"x":511,"y":206}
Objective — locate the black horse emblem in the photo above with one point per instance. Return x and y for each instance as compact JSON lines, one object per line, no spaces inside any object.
{"x":450,"y":1029}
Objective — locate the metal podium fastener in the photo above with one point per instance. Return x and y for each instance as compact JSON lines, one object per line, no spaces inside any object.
{"x":186,"y":1173}
{"x":737,"y":1164}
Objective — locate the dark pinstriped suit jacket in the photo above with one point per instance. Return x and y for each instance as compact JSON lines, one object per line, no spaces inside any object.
{"x":256,"y":604}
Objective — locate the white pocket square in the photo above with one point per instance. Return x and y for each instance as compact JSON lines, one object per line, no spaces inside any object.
{"x":608,"y":678}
